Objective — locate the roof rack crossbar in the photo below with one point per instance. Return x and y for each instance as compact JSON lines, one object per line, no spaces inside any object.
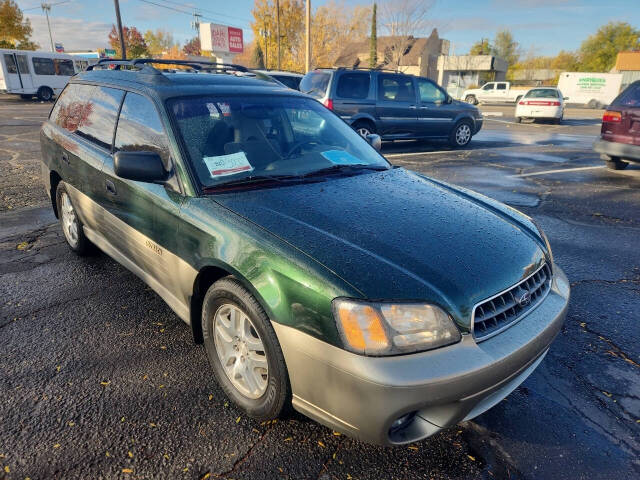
{"x":148,"y":62}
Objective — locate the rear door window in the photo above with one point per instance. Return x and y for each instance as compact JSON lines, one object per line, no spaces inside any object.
{"x":10,"y":62}
{"x":88,"y":111}
{"x":396,"y":88}
{"x":353,"y":86}
{"x":23,"y":64}
{"x":140,"y":128}
{"x":315,"y":83}
{"x":43,"y":66}
{"x":501,"y":86}
{"x":429,"y":92}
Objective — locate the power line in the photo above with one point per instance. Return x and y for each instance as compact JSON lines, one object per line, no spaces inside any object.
{"x":178,"y":10}
{"x":192,"y":6}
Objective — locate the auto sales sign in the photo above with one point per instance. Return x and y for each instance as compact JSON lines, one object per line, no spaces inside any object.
{"x":220,"y":38}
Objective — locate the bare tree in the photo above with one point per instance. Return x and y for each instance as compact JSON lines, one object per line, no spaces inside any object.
{"x":403,"y":20}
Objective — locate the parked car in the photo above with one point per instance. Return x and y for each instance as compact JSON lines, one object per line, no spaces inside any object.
{"x":28,"y":73}
{"x":494,"y":92}
{"x":393,"y":105}
{"x":619,"y":141}
{"x":590,"y":89}
{"x":290,"y":79}
{"x":541,"y":103}
{"x":380,"y":302}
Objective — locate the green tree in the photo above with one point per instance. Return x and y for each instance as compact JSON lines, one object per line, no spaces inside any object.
{"x":258,"y":57}
{"x":373,"y":41}
{"x":598,"y":52}
{"x":505,"y":47}
{"x":15,"y":30}
{"x":159,"y":41}
{"x":481,"y":47}
{"x":133,"y":42}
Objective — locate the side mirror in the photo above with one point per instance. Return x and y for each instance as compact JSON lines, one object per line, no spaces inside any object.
{"x":375,"y":141}
{"x":140,"y":166}
{"x":565,"y":98}
{"x":449,"y":99}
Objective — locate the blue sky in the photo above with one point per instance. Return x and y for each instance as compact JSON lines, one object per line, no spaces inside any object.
{"x":543,"y":27}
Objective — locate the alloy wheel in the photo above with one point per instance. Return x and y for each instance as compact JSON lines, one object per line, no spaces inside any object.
{"x":463,"y":134}
{"x":69,"y":220}
{"x":363,"y":131}
{"x":240,"y":351}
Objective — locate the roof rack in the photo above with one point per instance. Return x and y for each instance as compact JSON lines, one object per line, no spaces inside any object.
{"x":145,"y":64}
{"x":375,"y":69}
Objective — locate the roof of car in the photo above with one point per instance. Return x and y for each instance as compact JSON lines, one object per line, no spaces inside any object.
{"x":280,"y":72}
{"x":170,"y":82}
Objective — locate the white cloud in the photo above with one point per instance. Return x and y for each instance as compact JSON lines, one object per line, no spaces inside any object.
{"x":73,"y":33}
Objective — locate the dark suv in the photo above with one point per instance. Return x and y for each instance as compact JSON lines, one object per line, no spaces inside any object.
{"x":394,"y":105}
{"x":620,"y":135}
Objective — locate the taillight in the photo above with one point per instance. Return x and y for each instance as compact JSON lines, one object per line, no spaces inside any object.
{"x":555,"y":104}
{"x":522,"y":103}
{"x":613,"y":117}
{"x":328,"y":103}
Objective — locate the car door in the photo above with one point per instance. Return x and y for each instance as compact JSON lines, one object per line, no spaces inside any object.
{"x":501,"y":92}
{"x":23,"y":71}
{"x":12,"y":76}
{"x":487,"y":93}
{"x":396,"y":106}
{"x":86,"y":117}
{"x":435,"y":115}
{"x":142,"y":217}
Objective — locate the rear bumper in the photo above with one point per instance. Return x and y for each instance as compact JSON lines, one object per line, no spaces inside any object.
{"x":538,"y":111}
{"x":363,"y":396}
{"x":614,"y":149}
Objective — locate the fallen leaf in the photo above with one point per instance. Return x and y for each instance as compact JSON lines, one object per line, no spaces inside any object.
{"x":130,"y":454}
{"x":166,"y":456}
{"x":412,"y":447}
{"x":288,"y":439}
{"x":238,"y":419}
{"x":210,"y":397}
{"x":104,"y":384}
{"x":337,"y":434}
{"x":122,"y":419}
{"x":6,"y":469}
{"x":152,"y":425}
{"x":71,"y":424}
{"x":607,"y":394}
{"x":185,"y":469}
{"x":583,"y":325}
{"x":57,"y":445}
{"x":162,"y":347}
{"x":127,"y":470}
{"x":107,"y":454}
{"x":472,"y":458}
{"x":226,"y":404}
{"x":321,"y":444}
{"x":205,"y":476}
{"x":58,"y":368}
{"x":22,"y":245}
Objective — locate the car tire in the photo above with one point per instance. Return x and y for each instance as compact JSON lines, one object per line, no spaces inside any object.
{"x":72,"y":227}
{"x":615,"y":163}
{"x":518,"y":119}
{"x":461,"y":134}
{"x":45,"y":94}
{"x":235,"y":327}
{"x":364,"y":128}
{"x":471,"y":99}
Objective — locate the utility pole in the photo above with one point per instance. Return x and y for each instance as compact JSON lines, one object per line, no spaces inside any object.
{"x":307,"y":63}
{"x":120,"y":34}
{"x":278,"y":29}
{"x":46,"y":8}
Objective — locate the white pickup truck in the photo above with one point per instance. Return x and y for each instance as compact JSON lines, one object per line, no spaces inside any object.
{"x":500,"y":92}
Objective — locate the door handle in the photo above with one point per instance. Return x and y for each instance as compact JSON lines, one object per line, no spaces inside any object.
{"x":412,"y":107}
{"x":65,"y":158}
{"x":111,"y":188}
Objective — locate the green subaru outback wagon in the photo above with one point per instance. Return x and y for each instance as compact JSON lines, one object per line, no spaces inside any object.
{"x":382,"y":303}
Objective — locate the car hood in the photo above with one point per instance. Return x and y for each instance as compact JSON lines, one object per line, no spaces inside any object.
{"x":397,"y":235}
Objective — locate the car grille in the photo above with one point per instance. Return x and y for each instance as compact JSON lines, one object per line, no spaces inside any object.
{"x":497,"y":313}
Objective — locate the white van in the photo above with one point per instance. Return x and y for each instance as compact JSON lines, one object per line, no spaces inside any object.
{"x":595,"y":90}
{"x":45,"y":74}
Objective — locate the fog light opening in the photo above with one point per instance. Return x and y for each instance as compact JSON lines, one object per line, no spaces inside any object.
{"x":401,"y":423}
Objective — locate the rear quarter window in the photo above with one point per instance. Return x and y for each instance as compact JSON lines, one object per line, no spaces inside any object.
{"x":630,"y":97}
{"x":353,"y":85}
{"x":88,"y":111}
{"x":315,"y":83}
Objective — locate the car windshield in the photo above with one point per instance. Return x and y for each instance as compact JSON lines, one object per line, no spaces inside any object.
{"x":542,"y":93}
{"x":236,"y":138}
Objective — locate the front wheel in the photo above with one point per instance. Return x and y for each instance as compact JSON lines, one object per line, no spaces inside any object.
{"x":364,"y":129}
{"x":243,"y":350}
{"x":471,"y":99}
{"x":45,"y":94}
{"x":461,"y":135}
{"x":72,"y":227}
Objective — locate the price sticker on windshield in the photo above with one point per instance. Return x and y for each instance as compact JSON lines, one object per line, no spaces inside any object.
{"x":340,"y":157}
{"x":224,"y":165}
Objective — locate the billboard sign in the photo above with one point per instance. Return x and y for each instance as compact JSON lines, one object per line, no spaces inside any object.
{"x":220,"y":38}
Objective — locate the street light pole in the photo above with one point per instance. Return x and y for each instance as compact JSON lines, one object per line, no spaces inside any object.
{"x":120,"y":34}
{"x":46,"y":8}
{"x":278,"y":29}
{"x":307,"y":63}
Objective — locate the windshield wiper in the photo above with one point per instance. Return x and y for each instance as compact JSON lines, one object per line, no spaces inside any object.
{"x":348,"y":168}
{"x":249,"y":181}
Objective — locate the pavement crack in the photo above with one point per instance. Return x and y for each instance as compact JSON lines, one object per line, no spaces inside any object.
{"x":247,"y":454}
{"x":616,"y":351}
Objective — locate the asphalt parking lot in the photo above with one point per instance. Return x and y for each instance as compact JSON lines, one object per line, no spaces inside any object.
{"x":99,"y":379}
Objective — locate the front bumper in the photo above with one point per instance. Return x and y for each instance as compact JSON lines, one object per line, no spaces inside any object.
{"x":362,"y":396}
{"x":615,"y":149}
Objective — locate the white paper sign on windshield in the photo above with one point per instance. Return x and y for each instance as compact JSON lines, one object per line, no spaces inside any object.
{"x":224,"y":165}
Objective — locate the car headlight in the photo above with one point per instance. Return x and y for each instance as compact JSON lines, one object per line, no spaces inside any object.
{"x":544,"y":238}
{"x":371,"y":328}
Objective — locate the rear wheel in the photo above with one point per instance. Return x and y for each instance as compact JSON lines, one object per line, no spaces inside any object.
{"x":471,"y":99}
{"x":243,"y":350}
{"x":45,"y":94}
{"x":614,"y":163}
{"x":461,"y":135}
{"x":364,"y":128}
